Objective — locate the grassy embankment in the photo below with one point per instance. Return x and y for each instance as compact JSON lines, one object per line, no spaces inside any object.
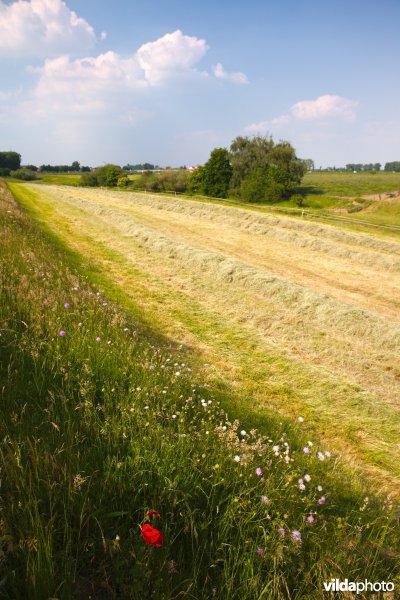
{"x":299,"y":317}
{"x":95,"y":434}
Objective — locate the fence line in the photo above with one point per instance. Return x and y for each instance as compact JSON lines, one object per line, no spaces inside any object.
{"x":295,"y":211}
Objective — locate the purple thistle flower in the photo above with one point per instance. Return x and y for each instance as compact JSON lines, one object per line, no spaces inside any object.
{"x":61,"y":333}
{"x":258,"y":471}
{"x":260,"y":551}
{"x":306,"y":450}
{"x":282,"y":531}
{"x":310,"y":519}
{"x":296,"y":535}
{"x":67,"y":305}
{"x":322,"y":500}
{"x":98,"y":339}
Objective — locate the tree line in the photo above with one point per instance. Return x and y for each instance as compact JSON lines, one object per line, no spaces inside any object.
{"x":253,"y":169}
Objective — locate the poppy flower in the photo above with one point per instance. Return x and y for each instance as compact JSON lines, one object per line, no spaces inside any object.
{"x":153,"y":512}
{"x":152,"y":536}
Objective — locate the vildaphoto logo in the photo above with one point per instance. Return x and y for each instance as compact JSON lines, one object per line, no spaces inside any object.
{"x":335,"y":585}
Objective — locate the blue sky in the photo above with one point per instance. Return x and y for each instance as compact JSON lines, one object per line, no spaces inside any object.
{"x":166,"y":82}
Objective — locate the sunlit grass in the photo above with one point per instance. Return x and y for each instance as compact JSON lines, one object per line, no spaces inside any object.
{"x":103,"y":420}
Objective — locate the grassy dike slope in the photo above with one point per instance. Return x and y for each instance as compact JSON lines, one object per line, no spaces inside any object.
{"x":300,"y":318}
{"x":103,"y":422}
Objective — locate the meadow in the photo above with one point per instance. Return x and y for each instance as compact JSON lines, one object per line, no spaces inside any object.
{"x":227,"y":376}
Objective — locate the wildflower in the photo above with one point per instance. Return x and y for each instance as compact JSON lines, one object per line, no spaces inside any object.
{"x":126,"y":329}
{"x":300,"y":419}
{"x":61,"y":333}
{"x":300,"y":481}
{"x":310,"y":519}
{"x":79,"y":324}
{"x":174,"y":416}
{"x":328,"y":454}
{"x":258,"y":472}
{"x":98,"y":339}
{"x":319,"y":488}
{"x":260,"y":551}
{"x":302,"y":487}
{"x":307,"y":478}
{"x":264,"y":499}
{"x":320,"y":456}
{"x":243,"y":432}
{"x":282,"y":531}
{"x":296,"y":535}
{"x":236,"y":458}
{"x":275,"y":448}
{"x":104,"y":303}
{"x":310,"y":443}
{"x":67,"y":305}
{"x":109,"y":342}
{"x":152,"y":536}
{"x":322,"y":500}
{"x":153,"y":512}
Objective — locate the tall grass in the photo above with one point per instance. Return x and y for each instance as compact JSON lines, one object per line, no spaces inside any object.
{"x":102,"y":423}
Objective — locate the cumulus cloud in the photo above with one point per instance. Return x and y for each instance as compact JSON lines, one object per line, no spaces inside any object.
{"x":322,"y":108}
{"x":91,"y":85}
{"x":234,"y":76}
{"x":39,"y":28}
{"x":170,"y":55}
{"x":325,"y":106}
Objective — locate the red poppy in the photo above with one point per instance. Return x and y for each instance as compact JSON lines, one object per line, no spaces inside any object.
{"x":153,"y":512}
{"x":152,"y":536}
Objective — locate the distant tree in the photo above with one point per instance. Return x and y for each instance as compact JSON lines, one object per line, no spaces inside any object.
{"x":10,"y":160}
{"x":309,"y":164}
{"x":75,"y":166}
{"x":140,"y":167}
{"x":263,"y":170}
{"x":107,"y":176}
{"x":30,"y":167}
{"x":217,"y":173}
{"x":85,"y":169}
{"x":393,"y":166}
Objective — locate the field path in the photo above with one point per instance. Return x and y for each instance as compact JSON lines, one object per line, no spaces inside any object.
{"x":301,"y":318}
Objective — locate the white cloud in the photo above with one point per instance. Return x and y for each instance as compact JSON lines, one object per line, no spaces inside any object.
{"x":94,"y":85}
{"x":234,"y":76}
{"x":170,"y":55}
{"x":325,"y":106}
{"x":39,"y":28}
{"x":261,"y":127}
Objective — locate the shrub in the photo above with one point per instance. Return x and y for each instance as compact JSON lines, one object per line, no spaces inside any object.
{"x":24,"y":174}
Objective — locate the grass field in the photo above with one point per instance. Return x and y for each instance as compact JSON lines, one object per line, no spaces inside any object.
{"x":301,"y":316}
{"x":350,"y":184}
{"x":278,"y":319}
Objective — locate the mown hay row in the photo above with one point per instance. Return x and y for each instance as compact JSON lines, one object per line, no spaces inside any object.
{"x":313,"y":238}
{"x":305,"y":303}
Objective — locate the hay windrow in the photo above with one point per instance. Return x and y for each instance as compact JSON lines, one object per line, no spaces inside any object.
{"x":360,"y":344}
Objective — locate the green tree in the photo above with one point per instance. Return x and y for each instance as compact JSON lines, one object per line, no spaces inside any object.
{"x":195,"y":181}
{"x":217,"y":173}
{"x":108,"y":175}
{"x":10,"y":160}
{"x":263,"y":170}
{"x":75,"y":166}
